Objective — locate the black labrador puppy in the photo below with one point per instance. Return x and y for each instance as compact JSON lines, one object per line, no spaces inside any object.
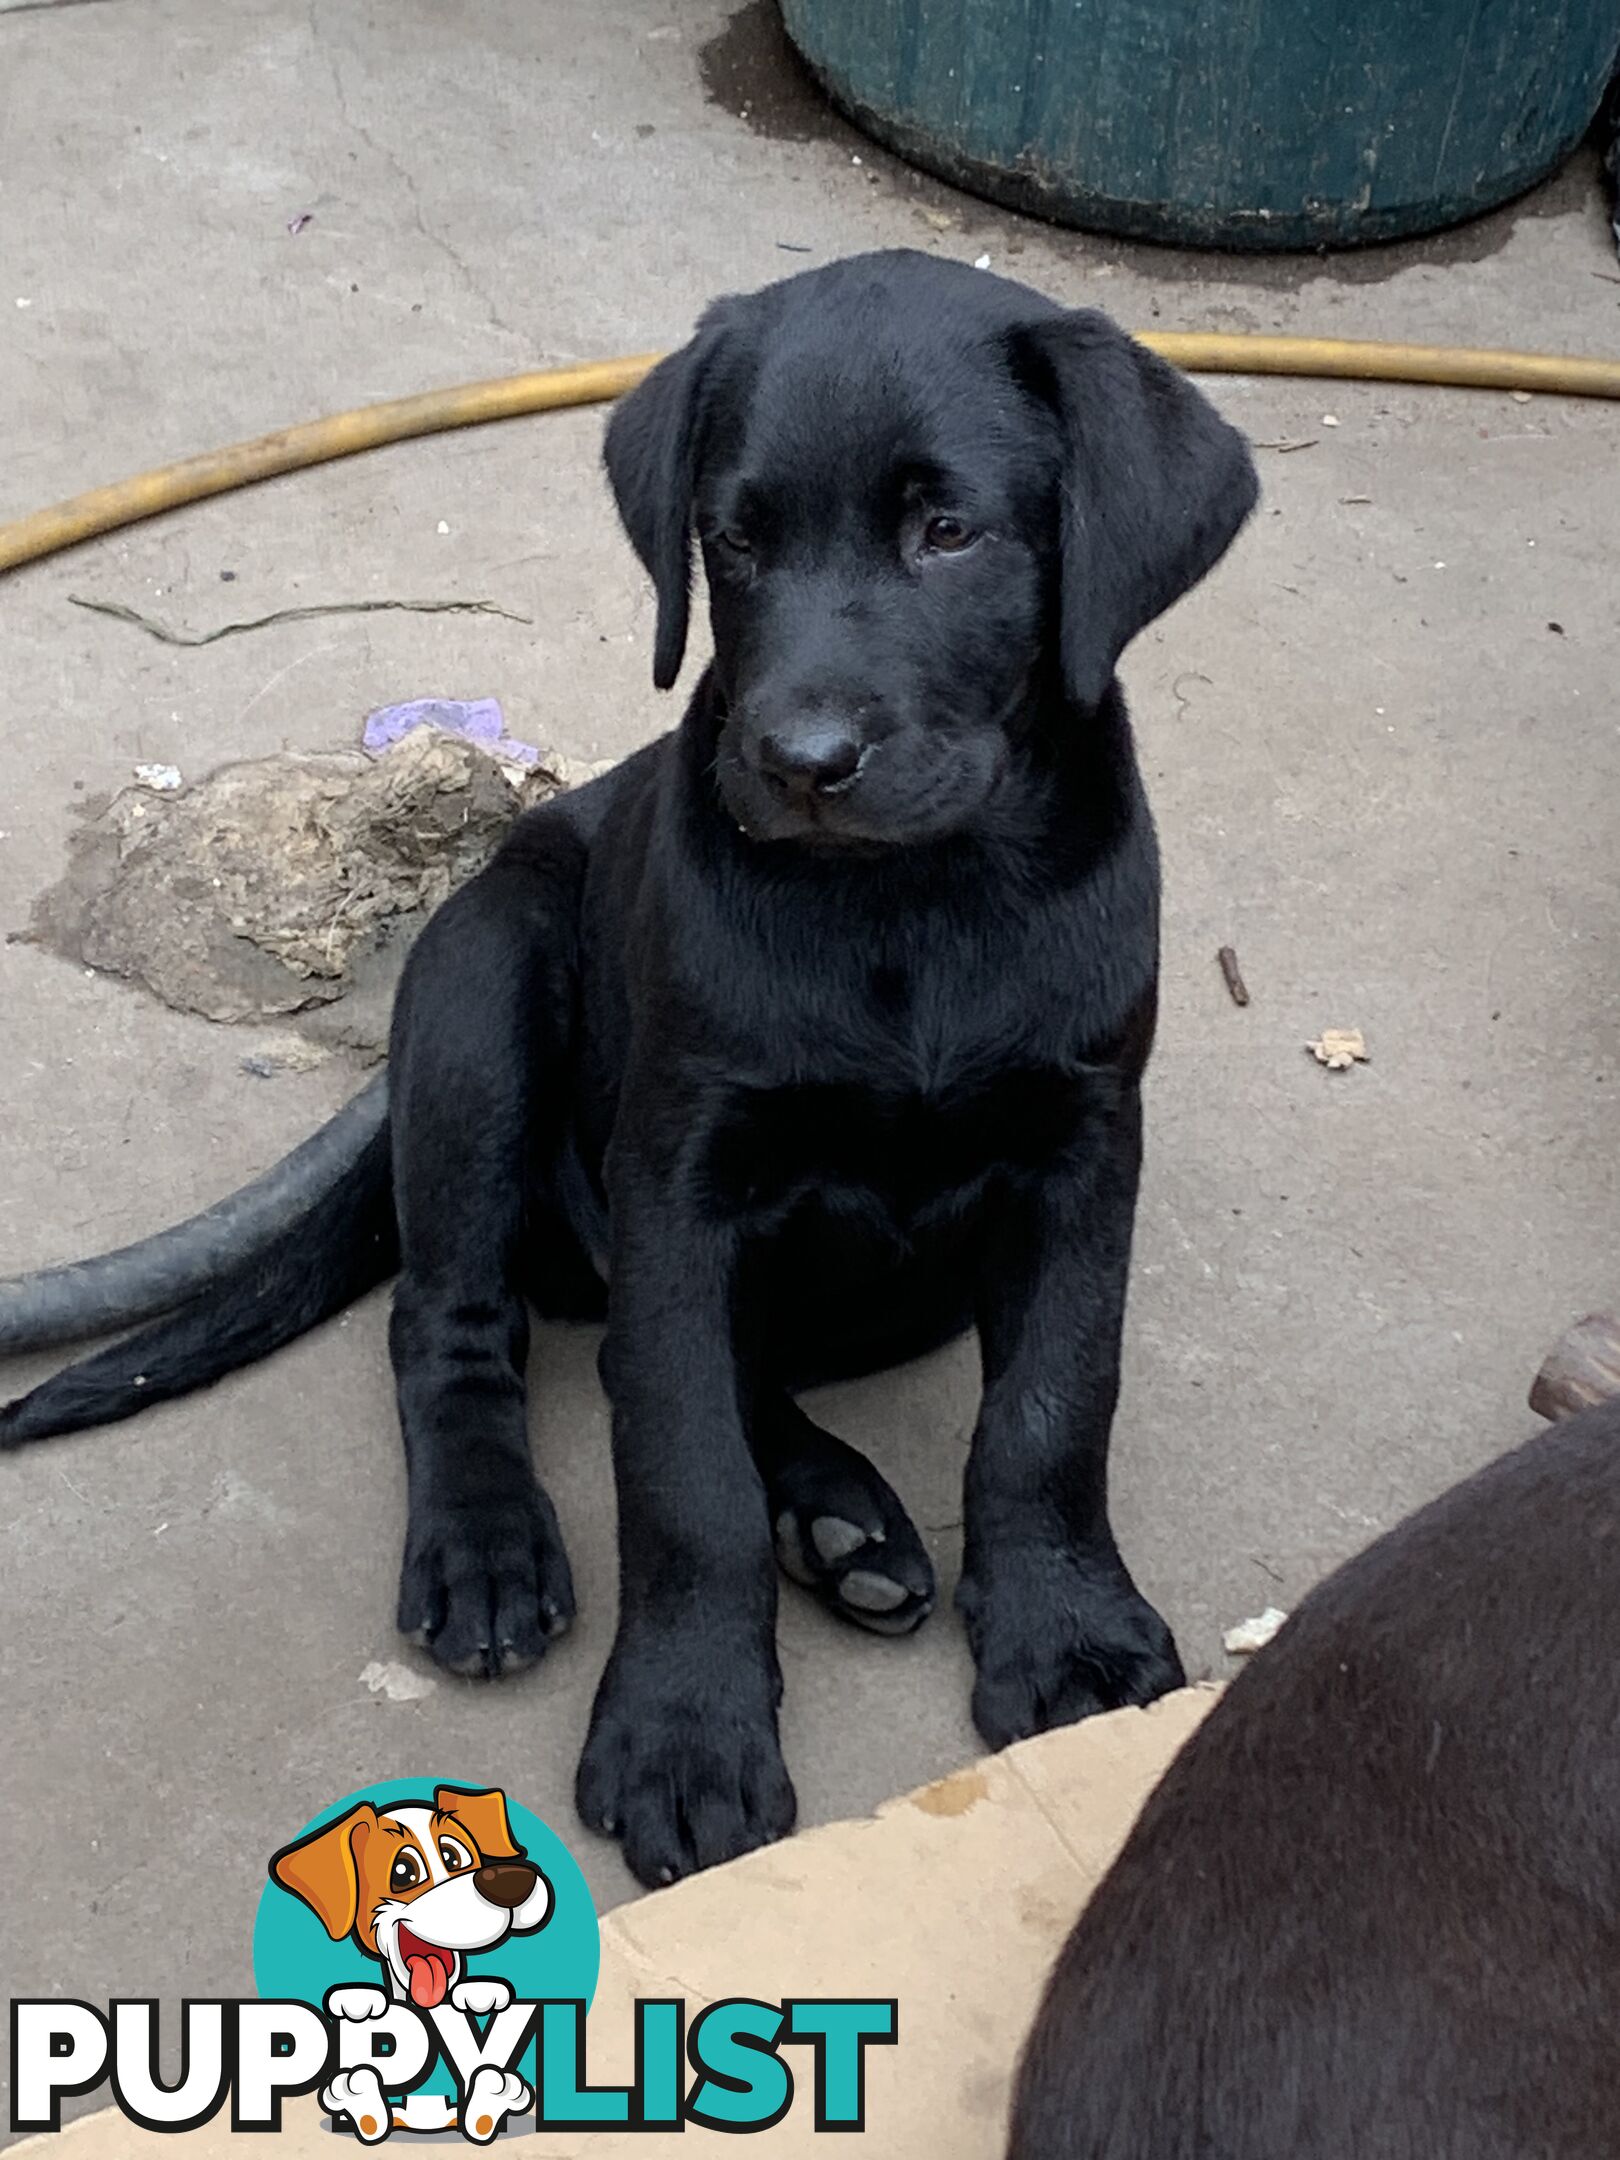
{"x":1373,"y":1910}
{"x":814,"y":1030}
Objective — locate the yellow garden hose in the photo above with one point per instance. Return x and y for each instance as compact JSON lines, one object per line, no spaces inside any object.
{"x":316,"y":442}
{"x":103,"y":510}
{"x":1462,"y":367}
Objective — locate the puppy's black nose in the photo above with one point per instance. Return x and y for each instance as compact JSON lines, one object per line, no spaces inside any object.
{"x":505,"y":1883}
{"x":813,"y":757}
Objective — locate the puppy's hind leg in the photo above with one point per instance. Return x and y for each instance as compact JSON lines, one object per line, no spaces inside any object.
{"x":479,"y":1083}
{"x":840,"y":1527}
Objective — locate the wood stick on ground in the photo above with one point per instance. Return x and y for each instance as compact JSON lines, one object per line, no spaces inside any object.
{"x":1582,"y":1368}
{"x":1234,"y":980}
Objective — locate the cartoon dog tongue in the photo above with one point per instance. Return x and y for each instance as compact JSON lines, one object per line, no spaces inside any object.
{"x":429,"y":1969}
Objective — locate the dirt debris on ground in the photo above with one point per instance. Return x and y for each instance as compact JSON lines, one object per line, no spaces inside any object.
{"x":1253,"y":1634}
{"x":282,"y":886}
{"x":1339,"y":1048}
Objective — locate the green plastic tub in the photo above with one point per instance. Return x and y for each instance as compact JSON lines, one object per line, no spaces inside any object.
{"x":1223,"y":123}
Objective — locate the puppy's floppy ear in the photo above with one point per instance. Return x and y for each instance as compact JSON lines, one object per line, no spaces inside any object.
{"x":651,"y":453}
{"x":323,"y":1869}
{"x":483,"y":1816}
{"x":1155,"y":485}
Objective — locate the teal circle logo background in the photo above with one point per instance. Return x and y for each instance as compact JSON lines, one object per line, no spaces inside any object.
{"x":294,"y":1958}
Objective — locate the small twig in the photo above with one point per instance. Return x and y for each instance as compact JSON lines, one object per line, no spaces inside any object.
{"x":1234,"y":980}
{"x":166,"y":636}
{"x":1309,"y":443}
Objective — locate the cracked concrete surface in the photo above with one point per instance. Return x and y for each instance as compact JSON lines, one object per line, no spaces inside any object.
{"x":1382,"y":744}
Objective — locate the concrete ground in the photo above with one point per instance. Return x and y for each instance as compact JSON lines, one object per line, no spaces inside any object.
{"x":1383,"y":745}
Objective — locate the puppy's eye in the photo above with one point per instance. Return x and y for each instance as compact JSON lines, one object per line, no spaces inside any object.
{"x":405,"y":1873}
{"x":455,"y":1857}
{"x":734,"y":543}
{"x":948,"y":535}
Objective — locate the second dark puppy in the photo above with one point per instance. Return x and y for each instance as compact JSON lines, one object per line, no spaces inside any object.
{"x":815,"y":1031}
{"x":1373,"y":1910}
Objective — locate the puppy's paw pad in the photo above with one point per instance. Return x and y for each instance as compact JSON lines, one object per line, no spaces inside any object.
{"x":480,"y":1998}
{"x":355,"y":2004}
{"x":792,"y":1556}
{"x":868,"y":1592}
{"x":358,"y":2094}
{"x":876,"y":1575}
{"x":834,"y":1539}
{"x":492,"y":2096}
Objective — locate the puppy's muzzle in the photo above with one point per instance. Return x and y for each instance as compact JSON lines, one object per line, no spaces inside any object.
{"x":505,"y":1883}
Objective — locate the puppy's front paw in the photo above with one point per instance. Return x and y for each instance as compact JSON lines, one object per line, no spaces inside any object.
{"x":480,"y":1998}
{"x":491,"y":2097}
{"x":355,"y":2005}
{"x":358,"y":2094}
{"x":1057,"y":1637}
{"x":683,"y":1764}
{"x":486,"y":1584}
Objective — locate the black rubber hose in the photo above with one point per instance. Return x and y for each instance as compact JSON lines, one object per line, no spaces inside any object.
{"x":82,"y":1298}
{"x":329,"y":1255}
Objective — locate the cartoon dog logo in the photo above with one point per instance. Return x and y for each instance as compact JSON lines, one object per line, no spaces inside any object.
{"x":420,"y":1887}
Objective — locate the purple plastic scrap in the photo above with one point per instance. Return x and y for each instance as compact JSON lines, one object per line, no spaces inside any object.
{"x":479,"y":720}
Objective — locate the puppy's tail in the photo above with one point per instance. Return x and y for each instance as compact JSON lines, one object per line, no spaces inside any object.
{"x":246,"y":1297}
